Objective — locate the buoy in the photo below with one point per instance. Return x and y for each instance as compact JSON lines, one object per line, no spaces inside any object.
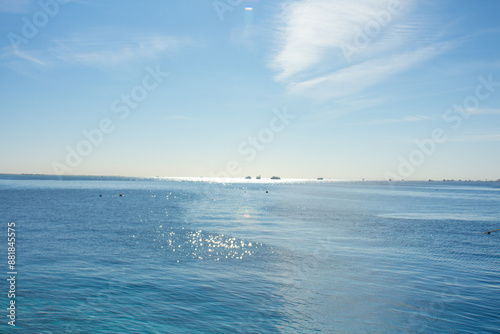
{"x":121,"y":195}
{"x":267,"y":191}
{"x":100,"y":195}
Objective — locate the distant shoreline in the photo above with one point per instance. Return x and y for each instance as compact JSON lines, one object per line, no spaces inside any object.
{"x":266,"y":179}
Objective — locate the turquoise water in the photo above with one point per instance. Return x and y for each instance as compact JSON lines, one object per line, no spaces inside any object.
{"x":197,"y":257}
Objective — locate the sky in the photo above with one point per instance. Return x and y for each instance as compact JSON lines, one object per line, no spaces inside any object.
{"x":338,"y":89}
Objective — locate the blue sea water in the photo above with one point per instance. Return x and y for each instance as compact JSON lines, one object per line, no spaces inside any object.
{"x":176,"y":256}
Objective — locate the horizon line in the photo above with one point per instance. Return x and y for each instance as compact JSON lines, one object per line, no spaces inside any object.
{"x":228,"y":180}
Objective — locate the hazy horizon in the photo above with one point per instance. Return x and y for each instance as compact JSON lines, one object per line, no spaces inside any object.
{"x":263,"y":179}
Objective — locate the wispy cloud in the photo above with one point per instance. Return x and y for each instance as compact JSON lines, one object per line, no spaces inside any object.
{"x":104,"y":51}
{"x":412,"y":118}
{"x":110,"y":49}
{"x":24,"y":63}
{"x":180,"y":118}
{"x":311,"y":58}
{"x":357,"y":78}
{"x":492,"y":137}
{"x":10,"y":53}
{"x":484,"y":111}
{"x":311,"y":28}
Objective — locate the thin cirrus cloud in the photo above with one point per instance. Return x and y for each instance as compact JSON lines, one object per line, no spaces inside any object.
{"x":180,"y":118}
{"x":492,"y":137}
{"x":310,"y":54}
{"x":32,"y":57}
{"x":310,"y":28}
{"x":484,"y":111}
{"x":105,"y":50}
{"x":413,"y":118}
{"x":98,"y":50}
{"x":357,"y":78}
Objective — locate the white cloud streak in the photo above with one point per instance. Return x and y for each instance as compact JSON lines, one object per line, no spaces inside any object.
{"x":180,"y":118}
{"x":101,"y":50}
{"x":111,"y":50}
{"x":493,"y":137}
{"x":310,"y":57}
{"x":484,"y":111}
{"x":359,"y":77}
{"x":311,"y":27}
{"x":413,"y":118}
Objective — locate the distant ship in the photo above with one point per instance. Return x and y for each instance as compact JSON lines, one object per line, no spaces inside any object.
{"x":248,"y":178}
{"x":276,"y":178}
{"x":258,"y":177}
{"x":320,"y":179}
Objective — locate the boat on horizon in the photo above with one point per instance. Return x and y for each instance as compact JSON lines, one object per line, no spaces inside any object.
{"x":258,"y":177}
{"x":319,"y":179}
{"x":248,"y":178}
{"x":275,"y":178}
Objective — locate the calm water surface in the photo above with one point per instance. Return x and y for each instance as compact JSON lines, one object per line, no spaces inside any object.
{"x":197,"y":257}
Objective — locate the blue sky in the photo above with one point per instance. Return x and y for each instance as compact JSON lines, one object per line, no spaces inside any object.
{"x":300,"y":89}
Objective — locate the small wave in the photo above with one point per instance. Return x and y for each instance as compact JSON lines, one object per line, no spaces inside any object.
{"x":438,"y":216}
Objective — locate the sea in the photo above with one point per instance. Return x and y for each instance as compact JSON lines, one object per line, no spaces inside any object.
{"x":180,"y":255}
